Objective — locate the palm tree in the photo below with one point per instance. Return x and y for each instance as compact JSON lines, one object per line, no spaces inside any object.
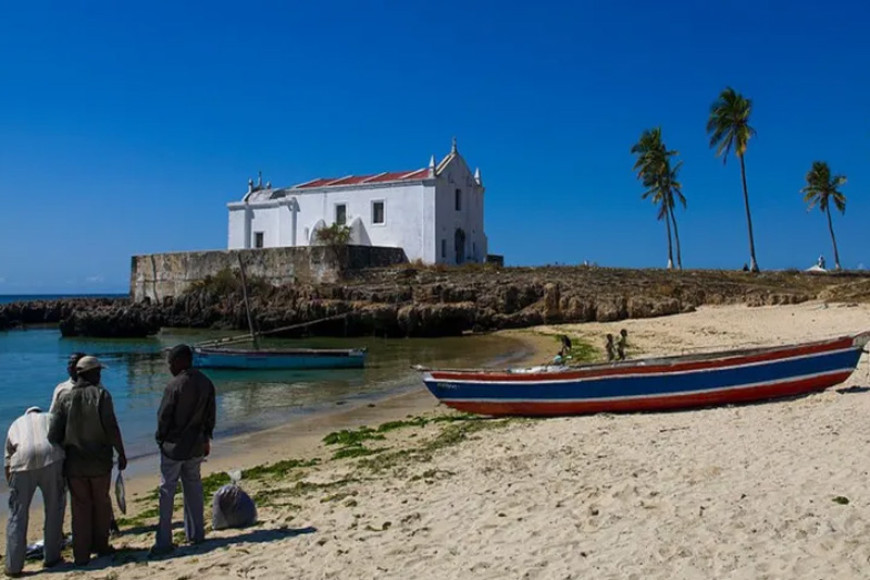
{"x":660,"y":180}
{"x":676,"y":192}
{"x":729,"y":130}
{"x":820,"y":189}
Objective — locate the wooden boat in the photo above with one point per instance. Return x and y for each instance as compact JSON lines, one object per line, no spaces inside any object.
{"x":655,"y":384}
{"x":297,"y":358}
{"x":213,"y":355}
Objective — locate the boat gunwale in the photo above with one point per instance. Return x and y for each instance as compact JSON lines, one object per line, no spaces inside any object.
{"x":268,"y":353}
{"x":706,"y":360}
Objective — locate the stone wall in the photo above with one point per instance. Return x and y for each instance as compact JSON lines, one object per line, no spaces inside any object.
{"x":157,"y":276}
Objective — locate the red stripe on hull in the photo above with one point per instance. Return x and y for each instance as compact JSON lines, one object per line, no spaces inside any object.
{"x":640,"y":368}
{"x":663,"y":403}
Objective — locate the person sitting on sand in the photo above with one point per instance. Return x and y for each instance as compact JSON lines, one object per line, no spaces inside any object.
{"x":610,"y":349}
{"x":621,"y":344}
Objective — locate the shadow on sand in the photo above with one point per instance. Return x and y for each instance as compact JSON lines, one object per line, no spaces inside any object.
{"x":131,"y":555}
{"x":853,"y":389}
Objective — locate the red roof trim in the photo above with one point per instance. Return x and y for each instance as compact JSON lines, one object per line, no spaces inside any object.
{"x":366,"y":180}
{"x":315,"y":183}
{"x":384,"y":177}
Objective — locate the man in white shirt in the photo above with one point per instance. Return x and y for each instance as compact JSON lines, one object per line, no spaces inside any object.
{"x":32,"y":462}
{"x":67,"y":384}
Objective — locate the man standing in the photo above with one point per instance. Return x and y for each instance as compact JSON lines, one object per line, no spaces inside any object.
{"x":65,"y":386}
{"x":185,"y":427}
{"x":84,"y":424}
{"x":32,"y":462}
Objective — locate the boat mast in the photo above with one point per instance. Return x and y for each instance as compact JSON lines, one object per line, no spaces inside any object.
{"x":254,"y":338}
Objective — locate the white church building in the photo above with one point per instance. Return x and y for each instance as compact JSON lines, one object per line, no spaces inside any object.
{"x":435,"y":214}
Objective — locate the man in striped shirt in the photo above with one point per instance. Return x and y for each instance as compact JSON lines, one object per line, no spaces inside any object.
{"x":32,"y":462}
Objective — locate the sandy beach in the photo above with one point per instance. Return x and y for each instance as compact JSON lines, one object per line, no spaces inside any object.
{"x":774,"y":490}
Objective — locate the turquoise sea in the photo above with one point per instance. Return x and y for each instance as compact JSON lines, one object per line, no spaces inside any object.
{"x":33,"y":362}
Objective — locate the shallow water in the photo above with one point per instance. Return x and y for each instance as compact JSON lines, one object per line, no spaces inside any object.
{"x":33,"y":361}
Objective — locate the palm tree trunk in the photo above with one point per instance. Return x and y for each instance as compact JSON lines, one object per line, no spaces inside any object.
{"x":676,"y":238}
{"x":753,"y":264}
{"x":670,"y":247}
{"x":833,"y":239}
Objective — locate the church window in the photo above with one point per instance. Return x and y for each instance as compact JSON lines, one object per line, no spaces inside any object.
{"x":377,"y":212}
{"x":341,"y":214}
{"x":458,"y":200}
{"x":258,"y":239}
{"x":443,"y":248}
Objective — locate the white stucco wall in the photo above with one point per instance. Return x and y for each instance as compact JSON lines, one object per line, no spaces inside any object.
{"x":237,"y":227}
{"x":403,"y":216}
{"x":469,"y":218}
{"x":428,"y":227}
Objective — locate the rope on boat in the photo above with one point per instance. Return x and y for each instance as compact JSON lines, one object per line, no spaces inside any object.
{"x":247,"y":337}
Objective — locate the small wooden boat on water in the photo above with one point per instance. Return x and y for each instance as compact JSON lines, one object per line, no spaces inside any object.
{"x":655,"y":384}
{"x":213,"y":355}
{"x":297,"y":358}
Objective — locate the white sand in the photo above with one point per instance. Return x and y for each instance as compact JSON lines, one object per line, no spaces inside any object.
{"x":742,"y":492}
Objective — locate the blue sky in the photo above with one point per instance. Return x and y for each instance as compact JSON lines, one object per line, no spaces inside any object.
{"x":125,"y":128}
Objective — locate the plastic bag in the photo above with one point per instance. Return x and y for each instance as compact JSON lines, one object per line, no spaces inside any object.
{"x":231,"y":506}
{"x":36,"y":550}
{"x":120,"y":495}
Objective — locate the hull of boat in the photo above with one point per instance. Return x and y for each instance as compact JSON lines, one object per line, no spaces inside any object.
{"x":290,"y":359}
{"x":652,"y":385}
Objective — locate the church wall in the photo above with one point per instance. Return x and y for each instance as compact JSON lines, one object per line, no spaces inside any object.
{"x":469,"y":218}
{"x":237,"y":227}
{"x":403,"y":217}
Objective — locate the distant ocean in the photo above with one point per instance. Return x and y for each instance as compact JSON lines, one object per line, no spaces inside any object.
{"x":7,"y":298}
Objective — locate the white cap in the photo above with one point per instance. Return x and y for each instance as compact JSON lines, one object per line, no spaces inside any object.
{"x":89,"y":363}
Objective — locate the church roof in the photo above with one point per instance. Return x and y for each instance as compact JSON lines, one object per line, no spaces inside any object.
{"x":413,"y":175}
{"x":260,"y":192}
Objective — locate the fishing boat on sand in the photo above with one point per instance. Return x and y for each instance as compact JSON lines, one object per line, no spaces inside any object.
{"x":653,"y":384}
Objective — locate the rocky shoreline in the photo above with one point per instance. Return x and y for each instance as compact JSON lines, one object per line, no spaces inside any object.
{"x":430,"y":302}
{"x":35,"y":312}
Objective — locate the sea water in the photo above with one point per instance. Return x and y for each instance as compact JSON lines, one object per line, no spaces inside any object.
{"x":33,"y":362}
{"x":8,"y":298}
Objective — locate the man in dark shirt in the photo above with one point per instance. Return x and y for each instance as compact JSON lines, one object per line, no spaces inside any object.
{"x":84,"y":424}
{"x":185,"y":426}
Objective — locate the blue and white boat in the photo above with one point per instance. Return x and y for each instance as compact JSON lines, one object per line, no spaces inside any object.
{"x":296,"y":358}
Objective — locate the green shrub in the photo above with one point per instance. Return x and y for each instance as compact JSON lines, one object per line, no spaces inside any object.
{"x":334,"y":235}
